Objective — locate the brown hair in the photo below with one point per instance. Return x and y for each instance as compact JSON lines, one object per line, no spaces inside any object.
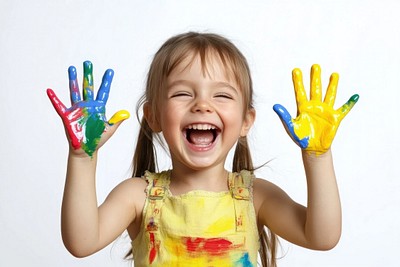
{"x":169,"y":56}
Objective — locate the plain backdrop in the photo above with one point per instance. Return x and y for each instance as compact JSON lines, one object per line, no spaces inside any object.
{"x":360,"y":40}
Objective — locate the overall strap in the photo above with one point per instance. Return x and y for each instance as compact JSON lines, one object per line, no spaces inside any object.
{"x":158,"y":184}
{"x":240,"y":186}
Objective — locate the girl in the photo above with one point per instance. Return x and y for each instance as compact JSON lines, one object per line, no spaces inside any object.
{"x":199,"y":97}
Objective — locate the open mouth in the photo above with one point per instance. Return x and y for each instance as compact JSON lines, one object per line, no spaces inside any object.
{"x":201,"y":134}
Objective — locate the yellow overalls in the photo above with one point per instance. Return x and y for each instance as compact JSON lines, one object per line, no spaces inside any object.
{"x":199,"y":228}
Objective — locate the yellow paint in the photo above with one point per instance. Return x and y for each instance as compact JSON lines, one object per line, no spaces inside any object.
{"x":221,"y":225}
{"x":119,"y":116}
{"x":317,"y":119}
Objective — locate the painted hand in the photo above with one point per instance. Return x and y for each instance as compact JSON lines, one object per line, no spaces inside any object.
{"x":85,"y":122}
{"x":317,"y":122}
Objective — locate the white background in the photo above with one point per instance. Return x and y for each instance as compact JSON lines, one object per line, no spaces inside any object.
{"x":358,"y":39}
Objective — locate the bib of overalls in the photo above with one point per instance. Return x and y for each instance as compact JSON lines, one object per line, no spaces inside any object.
{"x":198,"y":228}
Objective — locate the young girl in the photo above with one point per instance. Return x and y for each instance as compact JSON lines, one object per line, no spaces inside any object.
{"x":199,"y":97}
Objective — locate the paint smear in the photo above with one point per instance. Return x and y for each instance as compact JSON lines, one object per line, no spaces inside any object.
{"x":93,"y":127}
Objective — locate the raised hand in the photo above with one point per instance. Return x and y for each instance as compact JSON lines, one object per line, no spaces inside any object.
{"x":316,"y":123}
{"x":85,"y":121}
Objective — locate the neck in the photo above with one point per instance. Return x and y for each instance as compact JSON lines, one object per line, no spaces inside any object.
{"x":213,"y":179}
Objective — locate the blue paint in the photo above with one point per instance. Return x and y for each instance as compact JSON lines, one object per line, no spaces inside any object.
{"x":73,"y":85}
{"x":244,"y":261}
{"x":72,"y":73}
{"x":287,"y":120}
{"x":104,"y":90}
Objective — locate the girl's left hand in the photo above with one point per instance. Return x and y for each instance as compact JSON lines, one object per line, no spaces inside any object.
{"x":317,"y":122}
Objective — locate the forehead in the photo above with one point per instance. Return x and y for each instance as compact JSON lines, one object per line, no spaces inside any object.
{"x":209,"y":64}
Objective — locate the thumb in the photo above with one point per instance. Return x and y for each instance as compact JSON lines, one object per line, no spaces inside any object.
{"x":283,"y":114}
{"x":287,"y":122}
{"x":113,"y":125}
{"x":115,"y":121}
{"x":118,"y":117}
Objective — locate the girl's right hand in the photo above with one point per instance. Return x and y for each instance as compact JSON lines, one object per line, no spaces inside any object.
{"x":85,"y":122}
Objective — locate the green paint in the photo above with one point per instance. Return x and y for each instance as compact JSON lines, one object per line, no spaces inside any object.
{"x":93,"y":130}
{"x":350,"y":103}
{"x":87,"y":80}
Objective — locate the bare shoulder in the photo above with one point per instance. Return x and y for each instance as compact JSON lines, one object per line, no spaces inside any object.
{"x":132,"y":192}
{"x":265,"y":189}
{"x":268,"y":194}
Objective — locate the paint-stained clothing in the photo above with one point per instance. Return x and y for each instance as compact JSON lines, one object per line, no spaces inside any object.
{"x":199,"y":228}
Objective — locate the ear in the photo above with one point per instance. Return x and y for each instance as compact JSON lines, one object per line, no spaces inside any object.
{"x":248,"y":122}
{"x":150,"y":118}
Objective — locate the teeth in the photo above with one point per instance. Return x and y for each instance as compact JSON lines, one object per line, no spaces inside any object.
{"x":200,"y":126}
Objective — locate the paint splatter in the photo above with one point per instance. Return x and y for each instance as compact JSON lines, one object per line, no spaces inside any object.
{"x":211,"y":246}
{"x":244,"y":261}
{"x":153,"y":248}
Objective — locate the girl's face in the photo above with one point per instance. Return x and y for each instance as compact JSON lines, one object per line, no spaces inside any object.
{"x":201,"y":114}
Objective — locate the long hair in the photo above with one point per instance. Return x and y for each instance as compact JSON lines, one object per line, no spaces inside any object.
{"x":168,"y":57}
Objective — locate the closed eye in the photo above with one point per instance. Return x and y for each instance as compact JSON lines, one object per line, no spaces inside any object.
{"x":181,"y":94}
{"x":224,"y":95}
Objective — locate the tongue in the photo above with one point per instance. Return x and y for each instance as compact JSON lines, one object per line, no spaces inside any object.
{"x":201,"y":137}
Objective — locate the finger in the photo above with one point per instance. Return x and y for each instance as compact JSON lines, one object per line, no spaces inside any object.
{"x":348,"y":106}
{"x":102,"y":94}
{"x":315,"y":85}
{"x":301,"y":96}
{"x":118,"y":117}
{"x":57,"y":104}
{"x":73,"y":85}
{"x":283,"y":114}
{"x":87,"y":80}
{"x":288,"y":123}
{"x":331,"y":91}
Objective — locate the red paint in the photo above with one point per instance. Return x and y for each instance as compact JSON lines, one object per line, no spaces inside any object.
{"x":74,"y":128}
{"x":153,"y":249}
{"x":70,"y":118}
{"x":212,"y":246}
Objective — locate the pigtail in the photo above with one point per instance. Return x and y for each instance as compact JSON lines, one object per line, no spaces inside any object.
{"x":268,"y":240}
{"x":145,"y":158}
{"x":242,"y":158}
{"x":268,"y":248}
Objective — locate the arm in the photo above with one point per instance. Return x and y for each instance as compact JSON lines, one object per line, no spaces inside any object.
{"x":317,"y":226}
{"x":85,"y":227}
{"x":324,"y":218}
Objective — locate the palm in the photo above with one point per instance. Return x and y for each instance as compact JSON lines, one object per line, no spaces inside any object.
{"x":316,"y":123}
{"x":85,"y":120}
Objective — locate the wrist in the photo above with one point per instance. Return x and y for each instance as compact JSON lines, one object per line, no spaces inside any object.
{"x":79,"y":154}
{"x":312,"y":155}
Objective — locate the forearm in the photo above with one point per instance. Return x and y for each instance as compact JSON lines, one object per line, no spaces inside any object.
{"x":323,"y":223}
{"x":79,"y":215}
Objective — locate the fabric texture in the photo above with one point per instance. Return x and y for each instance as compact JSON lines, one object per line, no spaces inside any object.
{"x":199,"y":228}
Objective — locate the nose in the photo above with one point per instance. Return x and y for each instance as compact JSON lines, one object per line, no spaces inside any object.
{"x":202,"y":106}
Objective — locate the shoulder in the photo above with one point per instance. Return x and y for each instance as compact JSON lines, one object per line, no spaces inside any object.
{"x":265,"y":188}
{"x":267,"y":194}
{"x":134,"y":184}
{"x":131,"y":191}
